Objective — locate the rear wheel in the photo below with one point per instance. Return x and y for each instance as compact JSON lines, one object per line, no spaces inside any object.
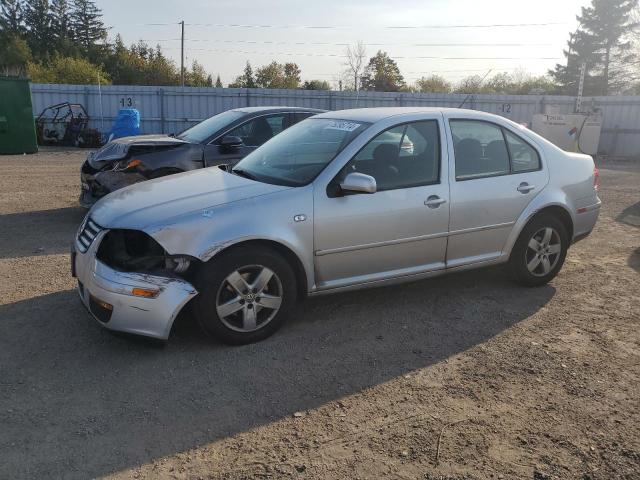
{"x":539,"y":252}
{"x":245,"y":295}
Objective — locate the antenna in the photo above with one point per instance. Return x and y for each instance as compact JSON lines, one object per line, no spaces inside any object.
{"x":469,"y":95}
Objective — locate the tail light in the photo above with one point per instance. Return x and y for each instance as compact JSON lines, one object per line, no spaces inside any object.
{"x":596,"y":178}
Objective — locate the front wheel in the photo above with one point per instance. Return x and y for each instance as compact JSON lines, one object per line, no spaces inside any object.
{"x":539,"y":252}
{"x":245,"y":295}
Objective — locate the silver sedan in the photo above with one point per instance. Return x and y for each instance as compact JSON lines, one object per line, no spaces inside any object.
{"x":343,"y":200}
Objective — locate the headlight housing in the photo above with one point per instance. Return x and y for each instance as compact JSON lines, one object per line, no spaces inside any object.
{"x":136,"y":251}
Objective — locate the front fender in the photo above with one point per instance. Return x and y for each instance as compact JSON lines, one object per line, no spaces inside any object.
{"x":205,"y":233}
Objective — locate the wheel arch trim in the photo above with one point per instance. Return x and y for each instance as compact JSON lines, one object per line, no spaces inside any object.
{"x":303,"y":276}
{"x":536,"y":208}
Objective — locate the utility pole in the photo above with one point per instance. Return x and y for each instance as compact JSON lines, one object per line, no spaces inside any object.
{"x":583,"y":71}
{"x":182,"y":55}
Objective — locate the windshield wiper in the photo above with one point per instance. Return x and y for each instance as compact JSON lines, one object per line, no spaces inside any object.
{"x":244,"y":173}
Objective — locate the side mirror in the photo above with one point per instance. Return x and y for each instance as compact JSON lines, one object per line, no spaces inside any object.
{"x":231,"y":142}
{"x":359,"y":183}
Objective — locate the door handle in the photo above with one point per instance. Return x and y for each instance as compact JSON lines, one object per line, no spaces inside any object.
{"x":524,"y":187}
{"x":434,"y":201}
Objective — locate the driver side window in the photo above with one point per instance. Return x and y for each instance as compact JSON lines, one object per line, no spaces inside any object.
{"x":404,"y":156}
{"x":257,"y":131}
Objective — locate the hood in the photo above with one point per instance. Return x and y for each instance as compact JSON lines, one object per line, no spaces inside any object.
{"x":160,"y":201}
{"x":119,"y":148}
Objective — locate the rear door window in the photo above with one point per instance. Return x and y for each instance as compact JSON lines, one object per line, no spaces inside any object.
{"x":524,"y":158}
{"x":480,"y":149}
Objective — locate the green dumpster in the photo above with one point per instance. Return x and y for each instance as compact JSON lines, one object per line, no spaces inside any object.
{"x":17,"y":127}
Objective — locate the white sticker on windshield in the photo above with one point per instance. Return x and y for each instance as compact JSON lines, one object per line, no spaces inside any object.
{"x":342,"y":125}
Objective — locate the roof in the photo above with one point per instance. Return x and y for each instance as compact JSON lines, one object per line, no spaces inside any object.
{"x":276,"y":109}
{"x":372,"y":115}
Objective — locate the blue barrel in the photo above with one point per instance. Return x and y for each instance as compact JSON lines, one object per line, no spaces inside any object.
{"x":127,"y":124}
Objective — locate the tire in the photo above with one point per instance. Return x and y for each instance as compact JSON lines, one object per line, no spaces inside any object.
{"x":249,"y":320}
{"x":536,"y":259}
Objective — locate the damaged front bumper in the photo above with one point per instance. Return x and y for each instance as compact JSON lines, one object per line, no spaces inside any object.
{"x":108,"y":295}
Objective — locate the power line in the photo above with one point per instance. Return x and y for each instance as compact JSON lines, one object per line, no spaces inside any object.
{"x":324,"y":27}
{"x":327,"y":27}
{"x":270,"y":42}
{"x":335,"y":55}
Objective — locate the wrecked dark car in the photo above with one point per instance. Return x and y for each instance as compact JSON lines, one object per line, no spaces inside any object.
{"x":223,"y":139}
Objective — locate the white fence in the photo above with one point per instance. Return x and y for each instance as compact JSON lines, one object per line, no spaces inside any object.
{"x":173,"y":109}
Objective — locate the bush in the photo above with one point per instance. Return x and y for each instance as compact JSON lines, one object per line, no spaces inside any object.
{"x":77,"y":71}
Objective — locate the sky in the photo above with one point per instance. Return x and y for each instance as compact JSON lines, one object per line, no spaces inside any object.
{"x":223,"y":34}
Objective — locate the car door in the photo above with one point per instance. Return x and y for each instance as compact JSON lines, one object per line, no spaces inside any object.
{"x":401,"y":229}
{"x":253,"y":133}
{"x":494,"y":176}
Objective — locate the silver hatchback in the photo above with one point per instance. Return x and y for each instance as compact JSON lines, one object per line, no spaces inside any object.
{"x":343,"y":200}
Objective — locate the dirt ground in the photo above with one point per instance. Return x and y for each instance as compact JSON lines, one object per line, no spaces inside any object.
{"x":459,"y":377}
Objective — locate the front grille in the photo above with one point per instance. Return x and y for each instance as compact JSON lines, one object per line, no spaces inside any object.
{"x":89,"y":230}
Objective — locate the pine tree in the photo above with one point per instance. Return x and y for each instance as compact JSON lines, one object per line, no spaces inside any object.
{"x":38,"y":23}
{"x":218,"y":82}
{"x":60,"y":24}
{"x":87,"y":25}
{"x":603,"y":43}
{"x":249,"y":81}
{"x":12,"y":17}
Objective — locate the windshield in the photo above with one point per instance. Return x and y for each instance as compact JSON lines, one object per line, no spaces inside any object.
{"x":296,"y":156}
{"x":205,"y":129}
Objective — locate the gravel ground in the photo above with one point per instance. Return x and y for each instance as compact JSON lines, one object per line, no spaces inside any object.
{"x":465,"y":376}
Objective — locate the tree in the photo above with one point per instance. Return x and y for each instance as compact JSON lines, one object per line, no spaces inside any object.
{"x":246,"y":80}
{"x":291,"y":75}
{"x":470,"y":84}
{"x":356,"y":55}
{"x":270,"y":76}
{"x":86,"y":21}
{"x":603,"y":42}
{"x":61,"y":26}
{"x":278,"y":75}
{"x":11,"y":17}
{"x":382,"y":74}
{"x":158,"y":69}
{"x":197,"y":76}
{"x":433,"y":84}
{"x":248,"y":76}
{"x":218,"y":82}
{"x":14,"y":56}
{"x":38,"y":24}
{"x":139,"y":65}
{"x":70,"y":70}
{"x":316,"y":85}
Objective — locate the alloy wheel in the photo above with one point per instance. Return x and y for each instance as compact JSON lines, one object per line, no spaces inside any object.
{"x":249,"y":298}
{"x":543,"y":252}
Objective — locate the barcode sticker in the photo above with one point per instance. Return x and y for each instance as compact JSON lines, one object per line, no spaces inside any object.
{"x":343,"y":125}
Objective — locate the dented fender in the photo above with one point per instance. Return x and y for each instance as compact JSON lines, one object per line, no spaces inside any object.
{"x":211,"y":230}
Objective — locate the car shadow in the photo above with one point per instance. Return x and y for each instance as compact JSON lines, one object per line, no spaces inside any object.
{"x":630,"y":215}
{"x":59,"y":224}
{"x":78,"y":402}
